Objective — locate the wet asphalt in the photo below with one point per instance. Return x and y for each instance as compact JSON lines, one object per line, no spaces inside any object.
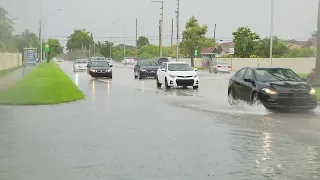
{"x":129,"y":129}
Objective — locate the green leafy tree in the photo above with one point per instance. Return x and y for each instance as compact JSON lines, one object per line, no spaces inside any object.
{"x":142,"y":41}
{"x":79,"y":39}
{"x":148,"y":51}
{"x":245,"y":42}
{"x":27,"y":39}
{"x":6,"y":32}
{"x":301,"y":52}
{"x":193,"y":38}
{"x":106,"y":49}
{"x":279,"y":48}
{"x":55,"y":47}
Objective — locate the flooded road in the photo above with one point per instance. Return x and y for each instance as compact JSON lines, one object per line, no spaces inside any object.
{"x":129,"y":129}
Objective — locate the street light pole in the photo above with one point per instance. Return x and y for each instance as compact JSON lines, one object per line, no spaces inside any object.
{"x":271,"y":31}
{"x":40,"y":32}
{"x":124,"y":45}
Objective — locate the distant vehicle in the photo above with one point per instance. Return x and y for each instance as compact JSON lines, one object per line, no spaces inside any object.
{"x":99,"y":68}
{"x":222,"y":67}
{"x":129,"y":60}
{"x":275,"y":88}
{"x":97,"y":58}
{"x":109,"y":60}
{"x":145,"y":68}
{"x":173,"y":74}
{"x":161,"y":60}
{"x":80,"y":64}
{"x":59,"y":60}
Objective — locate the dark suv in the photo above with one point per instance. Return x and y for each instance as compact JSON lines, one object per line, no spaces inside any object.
{"x":161,"y":60}
{"x":145,"y":68}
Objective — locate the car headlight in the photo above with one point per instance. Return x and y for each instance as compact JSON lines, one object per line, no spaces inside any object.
{"x":312,"y":91}
{"x":269,"y":91}
{"x":195,"y":76}
{"x":93,"y":70}
{"x":143,"y":70}
{"x":173,"y":76}
{"x":108,"y":70}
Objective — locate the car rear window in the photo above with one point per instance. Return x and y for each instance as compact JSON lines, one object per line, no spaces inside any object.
{"x":163,"y":60}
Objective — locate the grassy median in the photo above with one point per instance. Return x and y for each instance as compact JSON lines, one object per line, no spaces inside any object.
{"x":7,"y":71}
{"x":45,"y":85}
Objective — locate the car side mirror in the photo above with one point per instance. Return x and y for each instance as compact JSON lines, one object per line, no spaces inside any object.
{"x":304,"y":79}
{"x":248,"y":80}
{"x":88,"y":66}
{"x":195,"y":69}
{"x":111,"y":65}
{"x":163,"y":69}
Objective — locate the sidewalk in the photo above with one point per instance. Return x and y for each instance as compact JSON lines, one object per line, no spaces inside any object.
{"x":11,"y":78}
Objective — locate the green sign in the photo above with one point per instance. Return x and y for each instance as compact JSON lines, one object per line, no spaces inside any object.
{"x":47,"y":48}
{"x":195,"y":53}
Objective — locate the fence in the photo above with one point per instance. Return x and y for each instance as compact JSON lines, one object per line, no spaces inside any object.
{"x":9,"y":60}
{"x":299,"y":65}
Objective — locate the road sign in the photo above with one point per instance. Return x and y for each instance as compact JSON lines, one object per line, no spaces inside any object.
{"x":30,"y":57}
{"x":195,"y":53}
{"x":47,"y":48}
{"x":231,"y":51}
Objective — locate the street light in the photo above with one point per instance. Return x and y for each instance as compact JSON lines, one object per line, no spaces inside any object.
{"x":271,"y":30}
{"x":124,"y":39}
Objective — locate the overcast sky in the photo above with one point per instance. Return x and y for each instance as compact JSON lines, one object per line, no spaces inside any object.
{"x":293,"y":19}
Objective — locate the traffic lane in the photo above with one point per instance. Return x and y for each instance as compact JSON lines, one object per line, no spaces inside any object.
{"x":118,"y":137}
{"x":140,"y":134}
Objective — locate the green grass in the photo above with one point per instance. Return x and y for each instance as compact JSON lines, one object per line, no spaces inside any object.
{"x":7,"y":71}
{"x":317,"y":92}
{"x":45,"y":85}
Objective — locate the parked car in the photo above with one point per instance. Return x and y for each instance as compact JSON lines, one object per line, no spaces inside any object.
{"x":161,"y":60}
{"x":80,"y":64}
{"x":173,"y":74}
{"x":274,"y":87}
{"x":99,"y":68}
{"x":144,"y":68}
{"x":222,"y":67}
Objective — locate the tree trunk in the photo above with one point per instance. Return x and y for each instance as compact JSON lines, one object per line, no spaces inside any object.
{"x":317,"y":79}
{"x":192,"y":61}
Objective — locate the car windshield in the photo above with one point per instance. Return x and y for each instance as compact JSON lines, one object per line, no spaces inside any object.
{"x":148,"y":63}
{"x":276,"y":74}
{"x":81,"y":61}
{"x":223,"y":64}
{"x":98,"y":58}
{"x":99,"y":64}
{"x":163,"y":59}
{"x":129,"y":57}
{"x":179,"y":67}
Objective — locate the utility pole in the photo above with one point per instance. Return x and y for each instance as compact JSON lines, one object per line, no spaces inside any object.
{"x":159,"y":38}
{"x":136,"y":37}
{"x":161,"y":26}
{"x":214,"y":33}
{"x":178,"y":8}
{"x":171,"y":33}
{"x":40,"y":33}
{"x":271,"y":31}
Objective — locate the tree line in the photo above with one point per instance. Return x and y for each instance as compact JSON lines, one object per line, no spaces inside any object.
{"x":10,"y":42}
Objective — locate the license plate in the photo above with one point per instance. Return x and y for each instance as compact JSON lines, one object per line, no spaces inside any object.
{"x":152,"y":71}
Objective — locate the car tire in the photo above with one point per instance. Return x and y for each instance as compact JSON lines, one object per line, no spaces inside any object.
{"x":215,"y":71}
{"x":195,"y":87}
{"x":139,"y":76}
{"x":135,"y":76}
{"x":158,"y":83}
{"x":255,"y":99}
{"x":166,"y":84}
{"x":231,"y":97}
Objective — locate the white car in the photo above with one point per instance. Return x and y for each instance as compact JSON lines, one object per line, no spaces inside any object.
{"x":222,"y":67}
{"x":173,"y":74}
{"x":109,"y":60}
{"x":128,"y":60}
{"x":80,"y":65}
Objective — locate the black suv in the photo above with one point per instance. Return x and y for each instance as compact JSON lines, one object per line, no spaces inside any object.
{"x":99,"y":68}
{"x":145,"y":68}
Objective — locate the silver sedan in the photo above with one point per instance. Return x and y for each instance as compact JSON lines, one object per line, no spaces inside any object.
{"x":80,"y":65}
{"x":221,"y":68}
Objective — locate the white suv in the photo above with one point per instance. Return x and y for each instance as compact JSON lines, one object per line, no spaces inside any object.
{"x":173,"y":74}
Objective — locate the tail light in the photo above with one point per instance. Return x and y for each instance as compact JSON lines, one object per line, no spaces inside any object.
{"x":219,"y":66}
{"x":229,"y":67}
